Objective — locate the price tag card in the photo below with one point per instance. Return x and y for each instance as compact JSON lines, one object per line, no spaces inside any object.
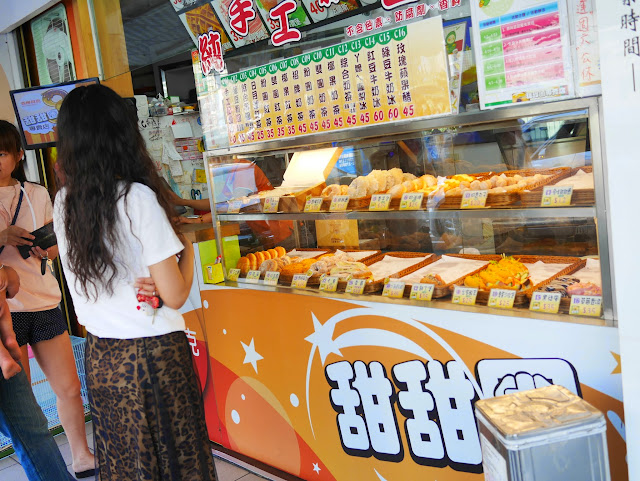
{"x":586,"y":306}
{"x":556,"y":196}
{"x":393,"y":289}
{"x":329,"y":283}
{"x":411,"y":201}
{"x":474,"y":199}
{"x":356,"y":286}
{"x":464,"y":296}
{"x":422,"y":292}
{"x":502,"y":298}
{"x":253,"y":277}
{"x":271,"y":205}
{"x":233,"y":275}
{"x":380,"y":202}
{"x":299,"y":281}
{"x":545,"y":302}
{"x":339,"y":203}
{"x":234,"y":207}
{"x":313,"y":204}
{"x":271,"y":278}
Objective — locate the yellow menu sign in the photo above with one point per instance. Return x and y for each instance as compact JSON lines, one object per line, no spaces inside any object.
{"x":502,"y":298}
{"x":545,"y":302}
{"x":421,"y":292}
{"x":233,"y":274}
{"x":464,"y":296}
{"x":586,"y":306}
{"x":556,"y":196}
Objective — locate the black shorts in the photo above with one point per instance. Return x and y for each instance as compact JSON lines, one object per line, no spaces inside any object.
{"x":33,"y":327}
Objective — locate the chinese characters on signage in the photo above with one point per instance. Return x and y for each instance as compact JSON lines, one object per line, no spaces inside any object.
{"x":210,"y":50}
{"x":629,"y":22}
{"x":361,"y":82}
{"x":399,"y":16}
{"x":587,"y":48}
{"x":523,"y":52}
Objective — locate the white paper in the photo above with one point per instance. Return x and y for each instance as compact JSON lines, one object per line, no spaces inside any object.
{"x":581,"y":180}
{"x":448,"y":268}
{"x":307,"y":168}
{"x":390,"y":265}
{"x":358,"y":256}
{"x":540,"y":271}
{"x":172,"y":158}
{"x":182,"y":130}
{"x":142,"y":104}
{"x":590,"y":272}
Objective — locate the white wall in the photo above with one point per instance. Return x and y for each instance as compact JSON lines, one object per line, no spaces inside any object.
{"x":16,"y":12}
{"x":622,"y":147}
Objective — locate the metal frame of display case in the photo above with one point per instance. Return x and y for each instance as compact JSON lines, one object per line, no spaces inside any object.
{"x":465,"y":122}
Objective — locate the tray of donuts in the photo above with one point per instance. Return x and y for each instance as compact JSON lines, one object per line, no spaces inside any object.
{"x":503,"y":188}
{"x":341,"y":263}
{"x":390,"y":265}
{"x":261,"y":260}
{"x":524,"y":274}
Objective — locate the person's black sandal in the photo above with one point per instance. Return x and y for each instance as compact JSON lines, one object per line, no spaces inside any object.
{"x":87,"y":473}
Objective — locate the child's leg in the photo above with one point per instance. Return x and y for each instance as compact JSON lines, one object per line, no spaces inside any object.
{"x":9,"y":349}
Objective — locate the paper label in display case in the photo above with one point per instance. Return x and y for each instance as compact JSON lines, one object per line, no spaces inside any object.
{"x":411,"y":201}
{"x":271,"y":205}
{"x":545,"y":302}
{"x":474,"y":199}
{"x":380,"y":202}
{"x":586,"y":306}
{"x":299,"y":281}
{"x":339,"y":203}
{"x":502,"y":298}
{"x":393,"y":289}
{"x":271,"y":278}
{"x":234,"y":207}
{"x":556,"y":196}
{"x":253,"y":277}
{"x":421,"y":292}
{"x":355,"y":286}
{"x":313,"y":204}
{"x":464,"y":296}
{"x":233,"y":275}
{"x":329,"y":283}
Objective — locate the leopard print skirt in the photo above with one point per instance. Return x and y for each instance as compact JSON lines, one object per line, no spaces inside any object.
{"x":147,"y":410}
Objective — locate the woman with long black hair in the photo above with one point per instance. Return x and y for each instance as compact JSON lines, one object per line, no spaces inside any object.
{"x":112,"y":223}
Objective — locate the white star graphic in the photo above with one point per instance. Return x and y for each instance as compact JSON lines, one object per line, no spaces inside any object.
{"x":323,"y":338}
{"x":250,"y":355}
{"x":316,"y":468}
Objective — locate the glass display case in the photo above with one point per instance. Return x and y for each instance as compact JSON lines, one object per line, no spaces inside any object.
{"x":499,"y":208}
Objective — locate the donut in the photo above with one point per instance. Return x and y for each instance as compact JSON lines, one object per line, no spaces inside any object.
{"x":253,"y":261}
{"x":273,"y":253}
{"x":280,"y":251}
{"x":244,"y":265}
{"x":260,"y":258}
{"x":266,"y":254}
{"x":331,"y":190}
{"x":269,"y":265}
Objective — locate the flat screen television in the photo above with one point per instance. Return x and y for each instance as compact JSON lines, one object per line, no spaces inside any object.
{"x":37,"y":109}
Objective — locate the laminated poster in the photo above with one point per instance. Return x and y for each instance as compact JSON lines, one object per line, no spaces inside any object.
{"x":454,"y":39}
{"x":395,"y":75}
{"x":522,"y":51}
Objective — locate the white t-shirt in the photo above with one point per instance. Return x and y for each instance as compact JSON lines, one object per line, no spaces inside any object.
{"x":145,"y":240}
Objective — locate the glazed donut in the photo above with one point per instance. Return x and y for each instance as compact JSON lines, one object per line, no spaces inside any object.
{"x":244,"y":265}
{"x":267,"y":255}
{"x":253,"y":261}
{"x":280,"y":251}
{"x":273,"y":253}
{"x":260,"y":258}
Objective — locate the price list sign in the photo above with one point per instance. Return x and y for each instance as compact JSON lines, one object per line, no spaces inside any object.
{"x":373,"y":79}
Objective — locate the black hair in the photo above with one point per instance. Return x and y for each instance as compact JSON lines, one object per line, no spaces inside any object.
{"x":101,"y":154}
{"x":10,"y":142}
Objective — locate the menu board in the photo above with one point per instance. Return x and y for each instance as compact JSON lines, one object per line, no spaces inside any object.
{"x":523,"y":51}
{"x":394,"y":75}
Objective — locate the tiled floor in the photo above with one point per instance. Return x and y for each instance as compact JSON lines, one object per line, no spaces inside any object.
{"x":10,"y":469}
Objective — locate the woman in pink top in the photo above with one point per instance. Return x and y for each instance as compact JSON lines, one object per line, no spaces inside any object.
{"x":37,"y":319}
